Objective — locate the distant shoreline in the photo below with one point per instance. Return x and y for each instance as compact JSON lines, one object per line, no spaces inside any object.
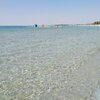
{"x":53,"y":25}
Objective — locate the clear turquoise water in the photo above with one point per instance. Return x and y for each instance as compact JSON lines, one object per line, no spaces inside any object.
{"x":27,"y":53}
{"x":26,"y":44}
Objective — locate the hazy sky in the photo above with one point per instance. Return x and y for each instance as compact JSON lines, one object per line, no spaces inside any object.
{"x":29,"y":12}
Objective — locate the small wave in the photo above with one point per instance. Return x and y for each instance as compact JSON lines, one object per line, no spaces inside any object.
{"x":93,"y":51}
{"x":97,"y":92}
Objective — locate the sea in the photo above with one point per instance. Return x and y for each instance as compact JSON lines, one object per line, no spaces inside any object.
{"x":49,"y":63}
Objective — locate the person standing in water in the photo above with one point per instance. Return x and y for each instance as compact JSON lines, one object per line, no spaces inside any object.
{"x":36,"y":25}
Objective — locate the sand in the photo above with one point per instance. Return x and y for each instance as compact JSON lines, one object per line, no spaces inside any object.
{"x":57,"y":83}
{"x":84,"y":82}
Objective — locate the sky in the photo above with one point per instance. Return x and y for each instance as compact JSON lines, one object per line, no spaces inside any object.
{"x":29,"y":12}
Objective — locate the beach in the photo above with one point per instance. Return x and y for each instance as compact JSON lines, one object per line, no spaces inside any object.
{"x":50,"y":63}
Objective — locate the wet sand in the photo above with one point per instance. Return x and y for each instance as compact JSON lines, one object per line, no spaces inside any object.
{"x":84,"y":81}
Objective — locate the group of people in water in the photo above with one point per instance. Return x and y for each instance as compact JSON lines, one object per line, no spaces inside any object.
{"x":38,"y":26}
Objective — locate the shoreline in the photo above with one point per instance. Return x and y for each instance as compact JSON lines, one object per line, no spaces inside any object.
{"x":85,"y":79}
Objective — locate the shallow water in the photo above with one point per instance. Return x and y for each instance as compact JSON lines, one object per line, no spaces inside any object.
{"x":36,"y":63}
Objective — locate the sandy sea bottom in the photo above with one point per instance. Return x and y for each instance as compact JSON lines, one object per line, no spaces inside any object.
{"x":50,"y":63}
